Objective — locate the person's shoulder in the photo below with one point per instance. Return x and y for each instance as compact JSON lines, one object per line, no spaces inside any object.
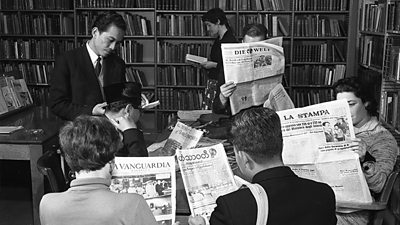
{"x":316,"y":187}
{"x":239,"y":195}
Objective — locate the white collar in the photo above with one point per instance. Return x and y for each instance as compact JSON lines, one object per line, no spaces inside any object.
{"x":92,"y":54}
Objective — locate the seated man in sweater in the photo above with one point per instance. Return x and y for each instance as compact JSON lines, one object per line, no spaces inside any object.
{"x":123,"y":110}
{"x":257,"y":141}
{"x":89,"y":144}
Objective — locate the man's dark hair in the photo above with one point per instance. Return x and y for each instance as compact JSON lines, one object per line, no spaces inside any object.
{"x":361,"y":89}
{"x":257,"y":131}
{"x":105,"y":20}
{"x":255,"y":30}
{"x":215,"y":14}
{"x":89,"y":142}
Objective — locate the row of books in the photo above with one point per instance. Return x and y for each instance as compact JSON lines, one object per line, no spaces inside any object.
{"x":168,"y":52}
{"x":196,"y":5}
{"x":306,"y":97}
{"x":371,"y":51}
{"x":372,"y":17}
{"x":262,"y":5}
{"x":180,"y":99}
{"x":324,"y":52}
{"x":130,"y":51}
{"x":40,"y":96}
{"x":319,"y":26}
{"x":390,"y":103}
{"x":166,"y":119}
{"x":137,"y":25}
{"x":36,"y":4}
{"x":181,"y":75}
{"x":393,"y":16}
{"x":180,"y":25}
{"x":14,"y":94}
{"x":37,"y":24}
{"x":276,"y":25}
{"x":317,"y":74}
{"x":136,"y":75}
{"x":32,"y":73}
{"x":115,"y":4}
{"x":320,"y":5}
{"x":394,"y":72}
{"x":33,"y":48}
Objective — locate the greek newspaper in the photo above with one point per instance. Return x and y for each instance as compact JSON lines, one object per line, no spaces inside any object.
{"x":151,"y":177}
{"x":206,"y":176}
{"x":256,"y":68}
{"x":317,"y":145}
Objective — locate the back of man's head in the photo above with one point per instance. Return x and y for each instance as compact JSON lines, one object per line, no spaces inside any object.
{"x":119,"y":95}
{"x":89,"y":143}
{"x":254,"y":32}
{"x":257,"y":131}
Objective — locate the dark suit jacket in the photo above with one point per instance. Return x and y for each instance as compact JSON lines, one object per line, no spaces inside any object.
{"x":75,"y":89}
{"x":292,"y":200}
{"x":134,"y":144}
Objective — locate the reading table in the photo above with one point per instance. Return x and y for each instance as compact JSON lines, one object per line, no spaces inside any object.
{"x":39,"y":133}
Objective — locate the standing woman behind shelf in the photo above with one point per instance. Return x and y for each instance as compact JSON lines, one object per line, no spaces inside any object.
{"x":217,"y":25}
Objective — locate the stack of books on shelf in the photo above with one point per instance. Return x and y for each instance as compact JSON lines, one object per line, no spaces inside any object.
{"x":306,"y":97}
{"x":262,"y":5}
{"x":115,"y":4}
{"x":371,"y":51}
{"x":180,"y":99}
{"x":390,"y":104}
{"x":196,"y":5}
{"x":317,"y":74}
{"x":137,"y":25}
{"x":372,"y":17}
{"x":325,"y":52}
{"x":40,"y":5}
{"x":319,"y":26}
{"x":180,"y":25}
{"x":130,"y":51}
{"x":322,"y":5}
{"x":276,"y":25}
{"x":181,"y":75}
{"x":176,"y":53}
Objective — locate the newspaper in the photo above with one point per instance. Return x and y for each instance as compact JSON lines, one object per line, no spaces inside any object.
{"x":278,"y":99}
{"x":256,"y":68}
{"x":182,"y":136}
{"x":151,"y":177}
{"x":317,"y":142}
{"x":206,"y":176}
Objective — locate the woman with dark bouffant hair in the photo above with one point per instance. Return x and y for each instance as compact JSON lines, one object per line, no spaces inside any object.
{"x":376,"y":146}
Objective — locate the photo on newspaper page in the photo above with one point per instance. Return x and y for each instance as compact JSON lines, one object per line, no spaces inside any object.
{"x":206,"y":176}
{"x":153,"y":178}
{"x":317,"y":143}
{"x":256,"y":68}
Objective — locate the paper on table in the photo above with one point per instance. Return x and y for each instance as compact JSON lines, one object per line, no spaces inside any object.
{"x":9,"y":129}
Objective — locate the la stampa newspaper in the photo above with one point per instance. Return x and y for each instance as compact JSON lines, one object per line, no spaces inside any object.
{"x":256,"y":68}
{"x":317,"y":145}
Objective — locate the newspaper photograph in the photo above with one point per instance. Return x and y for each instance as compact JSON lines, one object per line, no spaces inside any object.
{"x":153,"y":178}
{"x":317,"y":143}
{"x":206,"y":176}
{"x":256,"y":68}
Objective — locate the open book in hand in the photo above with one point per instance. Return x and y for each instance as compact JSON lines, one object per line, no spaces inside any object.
{"x":148,"y":105}
{"x":195,"y":60}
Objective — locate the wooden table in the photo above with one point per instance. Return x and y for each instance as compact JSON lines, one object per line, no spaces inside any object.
{"x":39,"y":134}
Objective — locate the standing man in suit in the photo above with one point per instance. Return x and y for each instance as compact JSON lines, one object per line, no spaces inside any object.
{"x":80,"y":74}
{"x":258,"y":143}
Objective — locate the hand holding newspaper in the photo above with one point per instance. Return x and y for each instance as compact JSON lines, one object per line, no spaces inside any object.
{"x":312,"y":150}
{"x":256,"y":68}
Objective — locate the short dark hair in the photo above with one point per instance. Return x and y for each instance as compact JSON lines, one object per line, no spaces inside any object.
{"x":105,"y":20}
{"x":257,"y":131}
{"x":215,"y":14}
{"x":255,"y":30}
{"x":361,"y":89}
{"x":89,"y":142}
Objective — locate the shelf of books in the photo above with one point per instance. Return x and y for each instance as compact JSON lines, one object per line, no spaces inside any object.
{"x":380,"y":55}
{"x":161,"y":32}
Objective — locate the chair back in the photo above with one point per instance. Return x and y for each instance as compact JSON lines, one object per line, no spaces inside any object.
{"x":49,"y":164}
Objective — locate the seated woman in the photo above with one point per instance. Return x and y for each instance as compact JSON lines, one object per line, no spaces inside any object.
{"x":376,"y":147}
{"x":89,"y":144}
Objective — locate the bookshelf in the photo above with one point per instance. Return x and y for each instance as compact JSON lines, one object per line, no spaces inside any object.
{"x":379,"y":43}
{"x":319,"y":44}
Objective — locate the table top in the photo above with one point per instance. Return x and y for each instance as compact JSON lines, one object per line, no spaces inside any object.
{"x":39,"y":125}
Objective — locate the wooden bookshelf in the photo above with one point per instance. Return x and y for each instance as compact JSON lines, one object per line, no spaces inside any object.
{"x":157,"y":53}
{"x":379,"y":41}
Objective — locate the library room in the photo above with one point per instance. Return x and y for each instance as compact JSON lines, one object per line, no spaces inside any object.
{"x":183,"y":112}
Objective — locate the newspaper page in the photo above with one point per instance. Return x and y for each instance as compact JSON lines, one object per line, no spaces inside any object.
{"x":279,"y":99}
{"x":151,"y":177}
{"x":206,"y":176}
{"x":317,"y":145}
{"x":256,"y":68}
{"x":182,"y":136}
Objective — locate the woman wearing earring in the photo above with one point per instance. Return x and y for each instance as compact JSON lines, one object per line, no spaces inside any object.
{"x":376,"y":146}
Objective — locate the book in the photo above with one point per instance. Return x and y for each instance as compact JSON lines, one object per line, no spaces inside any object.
{"x":9,"y":129}
{"x":22,"y":92}
{"x":195,"y":60}
{"x":146,"y":104}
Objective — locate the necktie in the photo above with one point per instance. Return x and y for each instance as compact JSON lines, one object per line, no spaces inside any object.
{"x":97,"y":68}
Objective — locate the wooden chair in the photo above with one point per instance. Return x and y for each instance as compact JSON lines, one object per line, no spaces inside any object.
{"x":49,"y":164}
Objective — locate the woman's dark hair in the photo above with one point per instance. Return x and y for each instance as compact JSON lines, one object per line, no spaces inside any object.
{"x":89,"y":142}
{"x":215,"y":14}
{"x":255,"y":30}
{"x":105,"y":20}
{"x":361,"y":89}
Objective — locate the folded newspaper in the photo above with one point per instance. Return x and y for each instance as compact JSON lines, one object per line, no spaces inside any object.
{"x":153,"y":178}
{"x":256,"y":68}
{"x":317,"y":143}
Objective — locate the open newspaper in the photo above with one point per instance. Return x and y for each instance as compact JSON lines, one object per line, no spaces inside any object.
{"x":206,"y":176}
{"x":317,"y":145}
{"x":151,"y":177}
{"x":256,"y":68}
{"x":278,"y":99}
